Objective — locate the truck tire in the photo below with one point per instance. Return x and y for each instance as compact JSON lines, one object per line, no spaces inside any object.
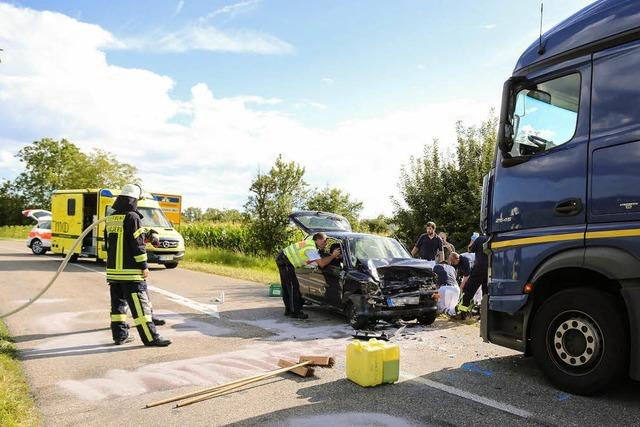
{"x":37,"y":248}
{"x":581,"y":341}
{"x":171,"y":265}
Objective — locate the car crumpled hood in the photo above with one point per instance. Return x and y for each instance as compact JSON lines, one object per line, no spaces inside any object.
{"x":376,"y":266}
{"x":411,"y":263}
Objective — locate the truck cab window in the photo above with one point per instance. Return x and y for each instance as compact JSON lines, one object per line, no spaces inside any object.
{"x":545,"y":116}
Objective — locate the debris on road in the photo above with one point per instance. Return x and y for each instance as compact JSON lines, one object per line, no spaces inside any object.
{"x":302,"y":368}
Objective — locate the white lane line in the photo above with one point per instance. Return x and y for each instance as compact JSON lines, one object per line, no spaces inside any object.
{"x":209,"y":309}
{"x":467,"y":395}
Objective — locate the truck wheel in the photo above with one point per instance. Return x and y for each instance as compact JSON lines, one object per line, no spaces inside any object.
{"x":428,"y":318}
{"x":37,"y":248}
{"x":171,"y":265}
{"x":356,"y":321}
{"x":580,"y":340}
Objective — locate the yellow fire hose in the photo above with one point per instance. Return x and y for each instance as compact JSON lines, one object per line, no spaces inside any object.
{"x":60,"y":269}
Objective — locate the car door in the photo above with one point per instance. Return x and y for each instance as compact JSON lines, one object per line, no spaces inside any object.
{"x":317,"y":284}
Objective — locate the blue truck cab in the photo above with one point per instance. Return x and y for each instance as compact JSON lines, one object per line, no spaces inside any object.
{"x":561,"y":204}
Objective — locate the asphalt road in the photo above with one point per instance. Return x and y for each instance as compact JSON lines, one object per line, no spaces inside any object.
{"x":449,"y":376}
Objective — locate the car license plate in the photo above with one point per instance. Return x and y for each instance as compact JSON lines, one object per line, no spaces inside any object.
{"x":165,"y":257}
{"x":402,"y":301}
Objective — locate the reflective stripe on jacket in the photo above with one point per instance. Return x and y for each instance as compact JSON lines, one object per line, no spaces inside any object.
{"x":297,"y":253}
{"x":126,"y":254}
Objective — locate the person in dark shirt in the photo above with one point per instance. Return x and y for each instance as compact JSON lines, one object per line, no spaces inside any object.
{"x":462,"y":266}
{"x":429,"y":245}
{"x":478,"y":277}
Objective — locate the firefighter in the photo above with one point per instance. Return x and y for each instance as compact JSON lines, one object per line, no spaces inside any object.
{"x":127,"y":270}
{"x":295,"y":256}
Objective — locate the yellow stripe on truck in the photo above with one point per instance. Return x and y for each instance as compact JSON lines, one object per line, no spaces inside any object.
{"x":536,"y":240}
{"x":631,"y":232}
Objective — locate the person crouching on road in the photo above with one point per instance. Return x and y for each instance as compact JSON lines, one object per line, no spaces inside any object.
{"x":127,"y":270}
{"x":447,"y":288}
{"x":295,"y":256}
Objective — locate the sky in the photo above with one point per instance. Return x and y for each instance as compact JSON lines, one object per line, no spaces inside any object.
{"x":202,"y":95}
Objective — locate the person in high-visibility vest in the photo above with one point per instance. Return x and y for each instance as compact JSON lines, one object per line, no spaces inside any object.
{"x":295,"y":256}
{"x":127,"y":270}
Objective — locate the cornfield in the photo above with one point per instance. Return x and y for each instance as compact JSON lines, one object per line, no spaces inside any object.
{"x":15,"y":231}
{"x":231,"y":236}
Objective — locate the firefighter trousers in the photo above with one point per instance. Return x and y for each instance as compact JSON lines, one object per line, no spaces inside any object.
{"x":471,"y":288}
{"x":133,"y":294}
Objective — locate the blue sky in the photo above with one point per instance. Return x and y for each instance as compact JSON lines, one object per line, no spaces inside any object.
{"x":251,"y":79}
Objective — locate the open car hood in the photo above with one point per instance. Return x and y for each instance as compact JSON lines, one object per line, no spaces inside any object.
{"x":37,"y":214}
{"x":316,"y":221}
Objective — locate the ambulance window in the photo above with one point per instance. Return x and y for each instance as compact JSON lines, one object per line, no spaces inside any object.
{"x":71,"y":207}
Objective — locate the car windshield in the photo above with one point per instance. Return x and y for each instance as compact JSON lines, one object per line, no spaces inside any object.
{"x":154,"y":217}
{"x":375,"y":247}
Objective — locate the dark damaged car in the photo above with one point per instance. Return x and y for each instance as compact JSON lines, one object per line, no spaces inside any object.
{"x":376,"y":278}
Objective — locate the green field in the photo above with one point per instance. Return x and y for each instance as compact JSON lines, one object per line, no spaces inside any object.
{"x":15,"y":231}
{"x":17,"y":407}
{"x":233,"y":264}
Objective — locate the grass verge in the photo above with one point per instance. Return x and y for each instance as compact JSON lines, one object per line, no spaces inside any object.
{"x":15,"y":231}
{"x":232,"y":264}
{"x":17,"y":407}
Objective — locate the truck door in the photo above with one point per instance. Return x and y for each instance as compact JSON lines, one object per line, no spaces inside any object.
{"x":614,"y":208}
{"x":539,"y":202}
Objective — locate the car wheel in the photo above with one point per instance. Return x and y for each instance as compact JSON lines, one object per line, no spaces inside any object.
{"x":37,"y":248}
{"x":356,"y":321}
{"x":171,"y":265}
{"x":74,"y":258}
{"x":580,"y":340}
{"x":428,"y":318}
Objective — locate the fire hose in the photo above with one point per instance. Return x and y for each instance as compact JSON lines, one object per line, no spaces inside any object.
{"x":71,"y":253}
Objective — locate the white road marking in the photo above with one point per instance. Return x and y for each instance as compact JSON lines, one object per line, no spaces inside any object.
{"x":467,"y":395}
{"x":209,"y":309}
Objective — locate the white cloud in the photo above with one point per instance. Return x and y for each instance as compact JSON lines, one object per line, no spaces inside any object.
{"x":422,"y":67}
{"x":489,"y":26}
{"x":327,"y":81}
{"x":56,"y":82}
{"x":199,"y":36}
{"x":179,"y":7}
{"x":232,"y":9}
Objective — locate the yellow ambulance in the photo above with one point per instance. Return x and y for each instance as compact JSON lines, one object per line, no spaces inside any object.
{"x":74,"y":210}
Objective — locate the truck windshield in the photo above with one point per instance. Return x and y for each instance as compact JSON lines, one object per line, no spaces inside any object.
{"x":154,"y":217}
{"x":545,"y":116}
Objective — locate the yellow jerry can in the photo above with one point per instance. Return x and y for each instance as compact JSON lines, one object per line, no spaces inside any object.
{"x":373,"y":363}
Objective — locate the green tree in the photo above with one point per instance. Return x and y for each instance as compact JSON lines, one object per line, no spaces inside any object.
{"x":446,"y":192}
{"x":336,"y":201}
{"x":223,"y":215}
{"x":51,"y":165}
{"x":192,"y":214}
{"x":273,"y":197}
{"x":11,"y":206}
{"x":377,"y":225}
